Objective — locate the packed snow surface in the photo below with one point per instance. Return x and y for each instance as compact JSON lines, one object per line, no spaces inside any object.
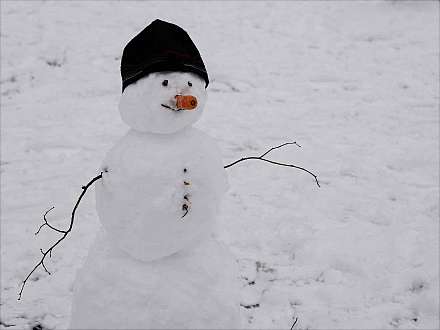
{"x":356,"y":84}
{"x":157,"y":201}
{"x":195,"y":288}
{"x":149,"y":178}
{"x":142,"y":103}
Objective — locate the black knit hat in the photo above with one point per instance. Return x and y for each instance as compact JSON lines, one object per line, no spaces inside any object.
{"x":161,"y":46}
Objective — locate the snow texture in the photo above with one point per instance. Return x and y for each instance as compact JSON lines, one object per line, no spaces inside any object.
{"x":356,"y":84}
{"x":157,"y":200}
{"x":140,"y":199}
{"x":141,"y":103}
{"x":187,"y":290}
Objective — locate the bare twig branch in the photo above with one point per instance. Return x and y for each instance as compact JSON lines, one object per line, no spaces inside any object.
{"x":296,"y":320}
{"x":280,"y":146}
{"x":42,"y":264}
{"x":47,"y":223}
{"x":64,"y":232}
{"x":185,"y":208}
{"x":275,"y":163}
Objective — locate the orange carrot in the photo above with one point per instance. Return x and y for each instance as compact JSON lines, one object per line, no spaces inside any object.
{"x":186,"y":102}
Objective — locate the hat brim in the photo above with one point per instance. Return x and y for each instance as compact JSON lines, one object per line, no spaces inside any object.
{"x":162,"y":66}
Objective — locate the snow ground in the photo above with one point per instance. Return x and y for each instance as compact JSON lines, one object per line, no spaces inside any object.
{"x":355,"y":83}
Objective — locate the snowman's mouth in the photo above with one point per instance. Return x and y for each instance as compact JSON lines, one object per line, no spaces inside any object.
{"x":171,"y":108}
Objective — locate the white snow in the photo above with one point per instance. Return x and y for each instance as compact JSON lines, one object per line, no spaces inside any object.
{"x":140,"y":198}
{"x":160,"y":191}
{"x":187,"y":290}
{"x":356,"y":84}
{"x":141,"y":103}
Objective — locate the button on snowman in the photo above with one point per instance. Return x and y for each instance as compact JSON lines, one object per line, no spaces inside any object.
{"x":155,"y":264}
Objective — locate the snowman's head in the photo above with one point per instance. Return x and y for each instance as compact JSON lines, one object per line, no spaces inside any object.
{"x":163,"y":102}
{"x":164,"y":80}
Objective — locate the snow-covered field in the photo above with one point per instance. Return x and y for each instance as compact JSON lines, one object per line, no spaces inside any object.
{"x":356,"y":84}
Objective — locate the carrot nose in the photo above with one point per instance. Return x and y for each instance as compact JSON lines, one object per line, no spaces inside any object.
{"x":186,"y":102}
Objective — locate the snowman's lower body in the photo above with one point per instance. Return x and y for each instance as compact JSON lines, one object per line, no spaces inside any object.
{"x":191,"y":289}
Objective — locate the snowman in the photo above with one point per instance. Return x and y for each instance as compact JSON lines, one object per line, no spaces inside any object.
{"x":155,"y":263}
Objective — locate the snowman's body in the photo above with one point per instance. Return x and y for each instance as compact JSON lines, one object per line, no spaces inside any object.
{"x":191,"y":289}
{"x":156,"y":264}
{"x":149,"y":180}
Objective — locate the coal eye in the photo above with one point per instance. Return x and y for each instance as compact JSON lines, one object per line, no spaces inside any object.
{"x":190,"y":83}
{"x":165,"y":83}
